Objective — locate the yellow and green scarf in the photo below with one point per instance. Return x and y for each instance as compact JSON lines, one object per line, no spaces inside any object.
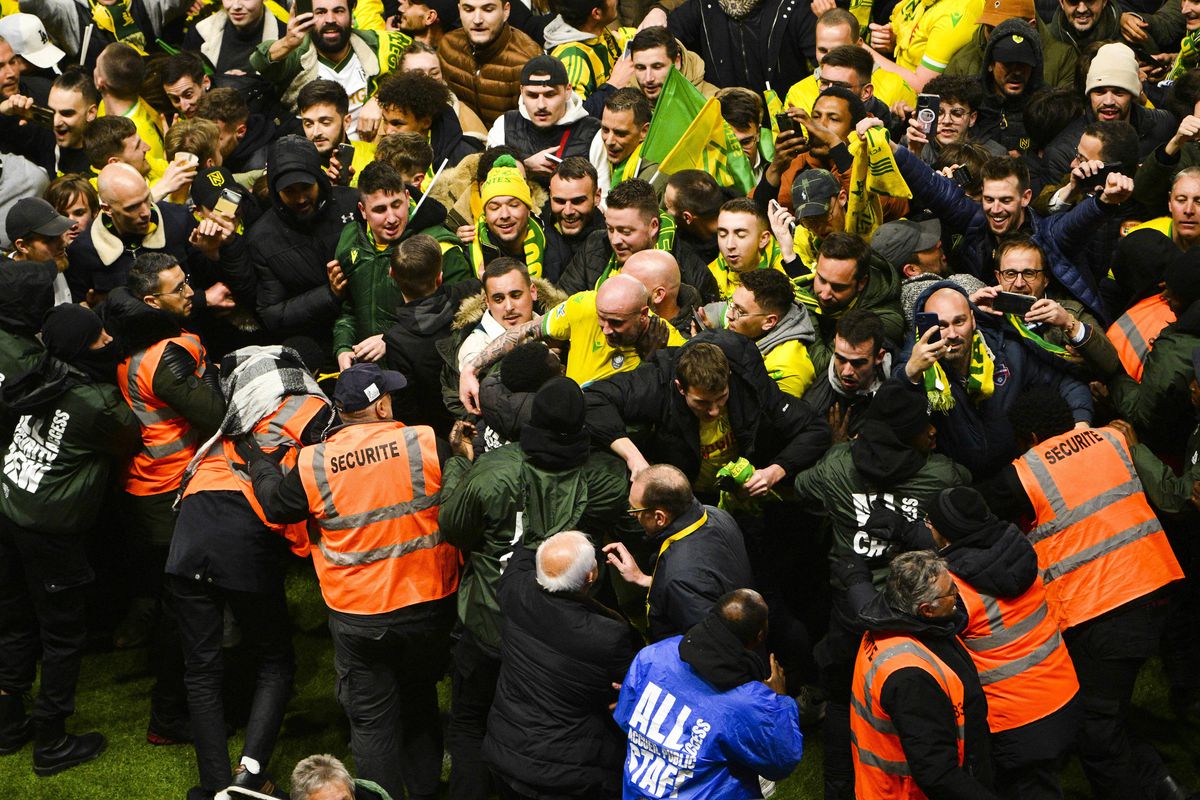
{"x":665,"y":241}
{"x":1189,"y":55}
{"x":631,"y":165}
{"x":873,"y":174}
{"x":118,"y":20}
{"x":980,"y":378}
{"x":1028,"y":335}
{"x":729,"y":279}
{"x":535,"y":247}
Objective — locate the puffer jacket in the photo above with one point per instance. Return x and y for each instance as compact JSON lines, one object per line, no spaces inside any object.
{"x":478,"y":515}
{"x":289,"y":254}
{"x":570,"y":136}
{"x":488,"y":80}
{"x":372,"y":297}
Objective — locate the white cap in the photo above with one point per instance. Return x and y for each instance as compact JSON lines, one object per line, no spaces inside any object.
{"x":27,"y":37}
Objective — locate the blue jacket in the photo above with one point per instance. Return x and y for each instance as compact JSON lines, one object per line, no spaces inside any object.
{"x":688,"y":739}
{"x":1058,"y":234}
{"x":978,"y":435}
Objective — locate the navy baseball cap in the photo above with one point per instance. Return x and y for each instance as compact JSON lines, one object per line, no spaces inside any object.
{"x":362,"y":384}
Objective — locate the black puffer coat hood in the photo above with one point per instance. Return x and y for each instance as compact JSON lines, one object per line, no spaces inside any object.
{"x":26,"y":294}
{"x":998,"y":560}
{"x":291,"y":153}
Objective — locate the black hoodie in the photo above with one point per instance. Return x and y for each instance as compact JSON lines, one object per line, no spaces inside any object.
{"x":922,"y":713}
{"x":251,"y":151}
{"x":1002,"y":117}
{"x":290,"y":254}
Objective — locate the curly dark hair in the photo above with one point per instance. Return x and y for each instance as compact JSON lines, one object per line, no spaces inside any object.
{"x":422,"y":96}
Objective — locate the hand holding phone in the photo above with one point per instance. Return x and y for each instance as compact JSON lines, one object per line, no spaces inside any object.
{"x":1013,"y":303}
{"x":927,"y":320}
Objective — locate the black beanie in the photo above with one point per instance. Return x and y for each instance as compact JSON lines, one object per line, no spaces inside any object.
{"x":1183,"y":276}
{"x":69,"y":330}
{"x":558,"y":407}
{"x":959,"y":512}
{"x":900,"y":407}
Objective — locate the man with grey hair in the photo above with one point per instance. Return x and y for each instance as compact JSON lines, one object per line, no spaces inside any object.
{"x":918,"y":712}
{"x":700,"y":551}
{"x":324,"y":777}
{"x":549,"y":733}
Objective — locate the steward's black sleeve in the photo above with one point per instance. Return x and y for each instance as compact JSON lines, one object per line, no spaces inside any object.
{"x":282,"y":497}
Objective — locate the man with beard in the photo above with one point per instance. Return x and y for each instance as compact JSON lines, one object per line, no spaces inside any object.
{"x":653,"y":51}
{"x":861,"y":363}
{"x":914,"y":250}
{"x":293,"y":243}
{"x":617,"y":149}
{"x":74,"y":101}
{"x":38,"y":233}
{"x":1113,"y":87}
{"x":426,"y":20}
{"x":482,"y":61}
{"x":1078,"y":23}
{"x":575,"y":202}
{"x":354,"y":58}
{"x":20,"y":138}
{"x":74,"y":427}
{"x":364,"y":255}
{"x":508,"y":227}
{"x":1010,"y":74}
{"x":971,"y":370}
{"x":325,"y":116}
{"x":227,"y":37}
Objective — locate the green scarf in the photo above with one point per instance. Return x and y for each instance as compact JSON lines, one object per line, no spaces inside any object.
{"x":1189,"y":55}
{"x":535,"y":247}
{"x":665,"y":241}
{"x":1027,"y":334}
{"x":634,"y":163}
{"x":980,"y":377}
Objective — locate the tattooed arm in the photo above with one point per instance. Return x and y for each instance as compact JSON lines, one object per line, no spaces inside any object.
{"x":468,"y":379}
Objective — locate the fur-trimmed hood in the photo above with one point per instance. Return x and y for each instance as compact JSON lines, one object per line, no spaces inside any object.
{"x":456,"y":187}
{"x":473,"y":308}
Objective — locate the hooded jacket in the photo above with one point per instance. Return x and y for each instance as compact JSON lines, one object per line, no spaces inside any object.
{"x":881,"y":296}
{"x":71,"y":431}
{"x":504,"y":501}
{"x":421,"y":325}
{"x":251,"y":151}
{"x":562,"y":652}
{"x":487,"y":79}
{"x":1058,"y":58}
{"x":1106,"y":29}
{"x":372,"y":297}
{"x":1060,"y":235}
{"x":289,"y":254}
{"x":921,"y":711}
{"x":790,"y":367}
{"x":769,"y":427}
{"x":978,"y":434}
{"x":826,"y":391}
{"x":26,"y":294}
{"x":590,"y":261}
{"x":1002,"y":117}
{"x":874,"y":467}
{"x":570,"y":136}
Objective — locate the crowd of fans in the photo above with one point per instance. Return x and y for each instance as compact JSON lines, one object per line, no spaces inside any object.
{"x":862,"y":406}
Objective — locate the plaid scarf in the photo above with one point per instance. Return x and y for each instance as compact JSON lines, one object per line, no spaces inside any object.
{"x":535,"y":247}
{"x":980,"y":377}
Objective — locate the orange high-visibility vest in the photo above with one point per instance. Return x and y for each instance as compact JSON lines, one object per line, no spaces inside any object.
{"x":881,"y":770}
{"x":223,"y":470}
{"x":1098,"y":543}
{"x":1022,"y":661}
{"x":373,"y":492}
{"x":1134,"y":332}
{"x":168,"y":441}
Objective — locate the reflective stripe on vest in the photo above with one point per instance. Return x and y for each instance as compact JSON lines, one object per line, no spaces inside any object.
{"x":1019,"y":653}
{"x":1098,"y":542}
{"x":373,"y":491}
{"x":1134,"y":332}
{"x":168,"y":440}
{"x":880,"y":766}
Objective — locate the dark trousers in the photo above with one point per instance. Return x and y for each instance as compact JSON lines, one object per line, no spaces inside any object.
{"x":387,"y":678}
{"x":1108,"y":653}
{"x":835,"y":655}
{"x":263,"y":617}
{"x":472,"y":689}
{"x":43,"y":609}
{"x":1028,"y":760}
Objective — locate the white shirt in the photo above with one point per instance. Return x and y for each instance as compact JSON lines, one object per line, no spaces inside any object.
{"x":353,"y":79}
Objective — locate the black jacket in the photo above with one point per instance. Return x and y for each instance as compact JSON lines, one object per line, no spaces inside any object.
{"x":922,"y":713}
{"x":769,"y":426}
{"x":289,"y":254}
{"x":550,"y":733}
{"x":590,"y":260}
{"x":251,"y":151}
{"x":696,"y":570}
{"x":1001,"y":117}
{"x":446,"y":138}
{"x":775,"y":43}
{"x":100,"y":259}
{"x":412,"y":351}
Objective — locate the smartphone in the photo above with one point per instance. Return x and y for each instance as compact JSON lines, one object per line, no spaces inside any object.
{"x":785,"y":123}
{"x":302,"y":7}
{"x":1013,"y":303}
{"x":962,"y":177}
{"x":554,"y":158}
{"x":1096,"y":182}
{"x":228,"y":203}
{"x":345,"y":157}
{"x":927,"y":320}
{"x":41,"y":116}
{"x":928,"y":106}
{"x":773,"y":204}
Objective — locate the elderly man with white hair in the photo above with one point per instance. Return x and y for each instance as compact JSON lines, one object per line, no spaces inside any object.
{"x":550,"y":731}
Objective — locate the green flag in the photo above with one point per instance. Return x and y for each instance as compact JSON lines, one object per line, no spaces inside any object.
{"x":678,"y":104}
{"x":709,"y":144}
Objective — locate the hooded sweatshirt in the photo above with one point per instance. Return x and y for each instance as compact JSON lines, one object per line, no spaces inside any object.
{"x":784,"y":348}
{"x":588,"y":58}
{"x":1002,"y":117}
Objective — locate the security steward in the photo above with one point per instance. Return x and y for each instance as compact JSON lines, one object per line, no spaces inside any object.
{"x":370,"y":492}
{"x":1105,"y":563}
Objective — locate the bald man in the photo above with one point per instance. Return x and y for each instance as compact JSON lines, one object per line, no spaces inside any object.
{"x":670,"y":298}
{"x":549,"y":733}
{"x":983,"y":368}
{"x":610,"y":330}
{"x":131,"y":223}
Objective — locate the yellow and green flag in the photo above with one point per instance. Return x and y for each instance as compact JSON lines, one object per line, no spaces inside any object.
{"x":709,"y":144}
{"x":678,"y":104}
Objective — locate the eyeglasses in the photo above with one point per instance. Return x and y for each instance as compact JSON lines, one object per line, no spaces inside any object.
{"x":633,"y":512}
{"x":1026,"y":274}
{"x":178,"y":291}
{"x":952,"y":113}
{"x":737,"y":312}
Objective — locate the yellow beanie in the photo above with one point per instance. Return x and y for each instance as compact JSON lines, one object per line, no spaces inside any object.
{"x":505,"y":180}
